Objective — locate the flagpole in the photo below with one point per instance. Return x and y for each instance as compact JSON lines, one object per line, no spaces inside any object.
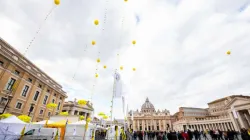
{"x":112,"y":102}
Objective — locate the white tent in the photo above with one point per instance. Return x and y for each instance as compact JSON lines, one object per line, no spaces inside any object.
{"x":75,"y":130}
{"x":11,"y":127}
{"x":12,"y":119}
{"x":44,"y":122}
{"x":111,"y":132}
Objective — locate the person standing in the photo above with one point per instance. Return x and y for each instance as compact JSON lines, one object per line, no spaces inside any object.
{"x":230,"y":135}
{"x":185,"y":136}
{"x":190,"y":134}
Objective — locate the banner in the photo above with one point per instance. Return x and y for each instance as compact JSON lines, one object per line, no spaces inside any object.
{"x":234,"y":112}
{"x":117,"y":85}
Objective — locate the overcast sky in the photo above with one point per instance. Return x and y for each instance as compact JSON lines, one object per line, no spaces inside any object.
{"x":180,"y":54}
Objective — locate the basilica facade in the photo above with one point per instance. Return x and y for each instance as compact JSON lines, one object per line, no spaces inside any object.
{"x":148,"y":119}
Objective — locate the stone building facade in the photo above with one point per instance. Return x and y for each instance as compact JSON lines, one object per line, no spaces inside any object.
{"x":74,"y":109}
{"x":232,"y":112}
{"x":149,"y":119}
{"x":24,"y":88}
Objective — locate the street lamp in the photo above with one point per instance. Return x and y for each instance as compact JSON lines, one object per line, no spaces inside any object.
{"x":9,"y":99}
{"x":31,"y":108}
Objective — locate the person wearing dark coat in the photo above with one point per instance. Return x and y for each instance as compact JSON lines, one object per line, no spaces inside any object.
{"x":190,"y":134}
{"x":173,"y":135}
{"x":244,"y":134}
{"x":169,"y":136}
{"x":140,"y":135}
{"x":180,"y":137}
{"x":230,"y":135}
{"x":197,"y":135}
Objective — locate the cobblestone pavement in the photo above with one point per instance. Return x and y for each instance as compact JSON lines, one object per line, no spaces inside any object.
{"x":202,"y":138}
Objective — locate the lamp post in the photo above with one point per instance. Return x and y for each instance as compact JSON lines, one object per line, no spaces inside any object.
{"x":31,"y":108}
{"x":9,"y":99}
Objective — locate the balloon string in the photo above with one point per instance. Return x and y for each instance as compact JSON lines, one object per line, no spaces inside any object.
{"x":38,"y":31}
{"x":98,"y":57}
{"x":79,"y":63}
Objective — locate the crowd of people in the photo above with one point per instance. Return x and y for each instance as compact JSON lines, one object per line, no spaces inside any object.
{"x":188,"y":135}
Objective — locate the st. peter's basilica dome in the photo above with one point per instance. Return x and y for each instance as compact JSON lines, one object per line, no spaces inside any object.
{"x":147,"y":106}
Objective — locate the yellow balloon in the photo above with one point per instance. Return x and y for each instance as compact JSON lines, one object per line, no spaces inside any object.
{"x":134,"y":69}
{"x":133,"y":42}
{"x":98,"y":60}
{"x":228,"y":52}
{"x":125,"y":0}
{"x":96,"y":22}
{"x":93,"y":42}
{"x":57,"y":2}
{"x":121,"y":67}
{"x":96,"y":75}
{"x":104,"y":66}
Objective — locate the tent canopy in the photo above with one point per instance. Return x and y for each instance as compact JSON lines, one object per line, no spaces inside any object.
{"x":44,"y":122}
{"x":58,"y":124}
{"x":12,"y":119}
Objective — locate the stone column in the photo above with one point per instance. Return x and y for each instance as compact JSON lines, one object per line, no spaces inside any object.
{"x":224,"y":125}
{"x":143,"y":125}
{"x":217,"y":126}
{"x":247,"y":118}
{"x":232,"y":125}
{"x":234,"y":121}
{"x":133,"y":125}
{"x":138,"y":125}
{"x":159,"y":124}
{"x":221,"y":126}
{"x":170,"y":124}
{"x":213,"y":126}
{"x":164,"y":125}
{"x":227,"y":126}
{"x":155,"y":125}
{"x":240,"y":120}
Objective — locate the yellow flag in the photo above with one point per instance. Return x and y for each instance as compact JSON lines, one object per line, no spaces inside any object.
{"x":22,"y":133}
{"x":56,"y":137}
{"x":14,"y":86}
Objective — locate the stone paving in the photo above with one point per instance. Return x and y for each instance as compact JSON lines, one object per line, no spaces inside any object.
{"x":202,"y":138}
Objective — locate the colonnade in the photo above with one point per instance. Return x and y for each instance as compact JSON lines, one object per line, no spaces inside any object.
{"x":224,"y":126}
{"x":148,"y":124}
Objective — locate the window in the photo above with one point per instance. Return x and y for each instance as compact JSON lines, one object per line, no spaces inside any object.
{"x":3,"y":101}
{"x":30,"y":80}
{"x":25,"y":90}
{"x":31,"y":108}
{"x":58,"y":107}
{"x":10,"y":84}
{"x":1,"y":63}
{"x":19,"y":105}
{"x":36,"y":95}
{"x":40,"y":86}
{"x":48,"y":90}
{"x":41,"y":111}
{"x":60,"y":98}
{"x":45,"y":99}
{"x":53,"y":100}
{"x":49,"y":113}
{"x":55,"y":95}
{"x":16,"y":72}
